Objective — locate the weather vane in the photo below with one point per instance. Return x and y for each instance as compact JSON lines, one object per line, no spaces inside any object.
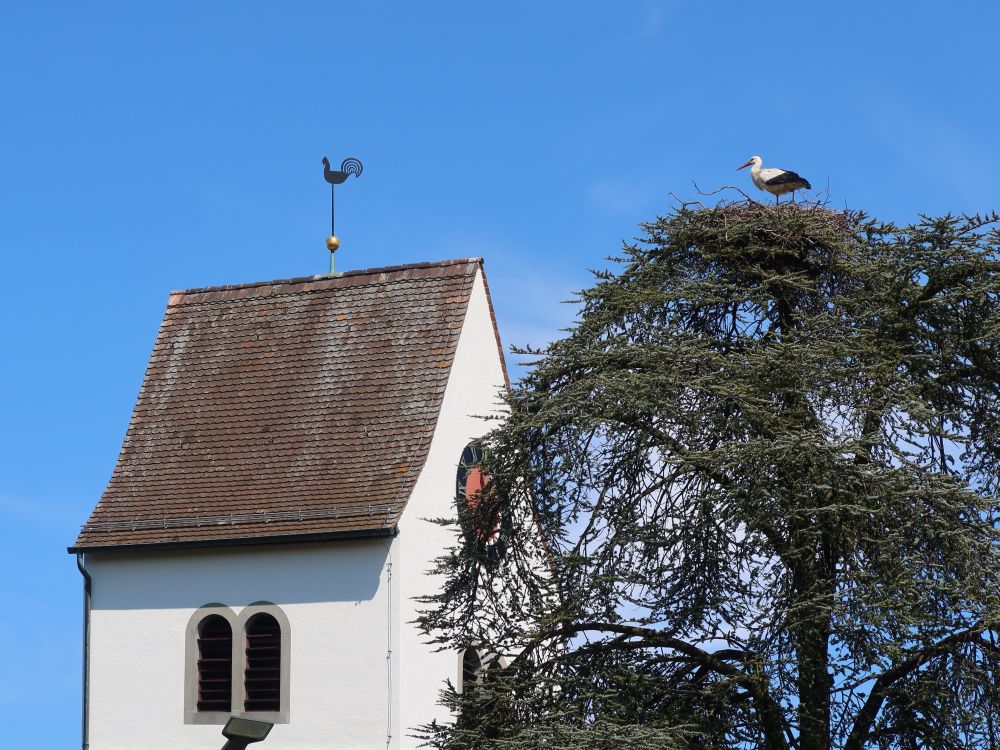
{"x":350,"y":166}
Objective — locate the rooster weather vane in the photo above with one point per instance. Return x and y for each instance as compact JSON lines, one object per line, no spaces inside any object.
{"x":350,"y":166}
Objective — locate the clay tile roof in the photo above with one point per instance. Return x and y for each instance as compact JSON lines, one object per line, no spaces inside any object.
{"x":288,"y":409}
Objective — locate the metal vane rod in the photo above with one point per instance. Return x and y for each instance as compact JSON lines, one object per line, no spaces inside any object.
{"x":350,"y":166}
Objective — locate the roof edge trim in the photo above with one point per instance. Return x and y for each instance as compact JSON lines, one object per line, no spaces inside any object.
{"x":240,"y":541}
{"x":496,"y":328}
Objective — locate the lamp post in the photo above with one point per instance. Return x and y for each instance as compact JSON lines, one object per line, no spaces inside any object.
{"x":241,"y":732}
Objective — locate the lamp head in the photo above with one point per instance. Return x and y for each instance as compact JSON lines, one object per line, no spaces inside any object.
{"x":241,"y":732}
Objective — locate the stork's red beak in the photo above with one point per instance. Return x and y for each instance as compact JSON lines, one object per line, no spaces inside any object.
{"x":745,"y":165}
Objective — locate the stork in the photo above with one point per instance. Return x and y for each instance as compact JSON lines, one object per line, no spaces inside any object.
{"x":775,"y":181}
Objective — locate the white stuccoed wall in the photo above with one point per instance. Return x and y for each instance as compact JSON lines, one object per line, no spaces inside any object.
{"x":344,"y":612}
{"x":334,"y":595}
{"x":474,"y":388}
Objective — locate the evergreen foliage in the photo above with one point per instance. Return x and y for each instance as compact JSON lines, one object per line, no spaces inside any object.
{"x":749,"y":500}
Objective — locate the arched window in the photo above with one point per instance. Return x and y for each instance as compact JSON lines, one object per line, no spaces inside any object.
{"x":237,"y":663}
{"x":471,"y":666}
{"x":479,"y":524}
{"x":469,"y":480}
{"x":476,"y":666}
{"x":262,"y":683}
{"x":215,"y":664}
{"x":469,"y":484}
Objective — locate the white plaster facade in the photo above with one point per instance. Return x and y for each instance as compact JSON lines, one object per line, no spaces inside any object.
{"x":361,"y":676}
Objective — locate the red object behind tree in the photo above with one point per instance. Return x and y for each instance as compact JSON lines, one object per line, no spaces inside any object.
{"x":475,"y":480}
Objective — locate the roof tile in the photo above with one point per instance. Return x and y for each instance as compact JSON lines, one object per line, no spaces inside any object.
{"x":292,"y":408}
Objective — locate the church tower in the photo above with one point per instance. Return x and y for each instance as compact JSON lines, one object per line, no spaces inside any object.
{"x":259,"y":547}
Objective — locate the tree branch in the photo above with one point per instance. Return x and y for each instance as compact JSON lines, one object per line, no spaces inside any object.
{"x":869,"y":711}
{"x":772,"y":722}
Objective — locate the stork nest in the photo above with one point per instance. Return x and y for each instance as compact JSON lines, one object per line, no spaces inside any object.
{"x":793,"y":251}
{"x":779,"y":237}
{"x":751,"y":228}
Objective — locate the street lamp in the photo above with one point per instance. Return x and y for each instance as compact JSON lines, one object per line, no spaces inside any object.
{"x":241,"y":732}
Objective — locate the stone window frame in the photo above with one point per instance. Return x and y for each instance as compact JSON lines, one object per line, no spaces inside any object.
{"x":238,"y":624}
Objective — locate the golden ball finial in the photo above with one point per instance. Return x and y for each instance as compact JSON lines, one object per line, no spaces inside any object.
{"x":332,"y":243}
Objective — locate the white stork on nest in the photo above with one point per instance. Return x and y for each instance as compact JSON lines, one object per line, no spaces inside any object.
{"x":775,"y":181}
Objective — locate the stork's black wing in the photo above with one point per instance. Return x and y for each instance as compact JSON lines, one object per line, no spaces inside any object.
{"x":787,"y":177}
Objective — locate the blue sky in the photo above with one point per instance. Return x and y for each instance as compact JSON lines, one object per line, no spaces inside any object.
{"x":145,"y":148}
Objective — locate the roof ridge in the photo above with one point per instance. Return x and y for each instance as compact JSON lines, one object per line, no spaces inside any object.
{"x":326,"y":277}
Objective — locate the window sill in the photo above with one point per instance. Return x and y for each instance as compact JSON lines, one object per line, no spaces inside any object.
{"x":221,"y":717}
